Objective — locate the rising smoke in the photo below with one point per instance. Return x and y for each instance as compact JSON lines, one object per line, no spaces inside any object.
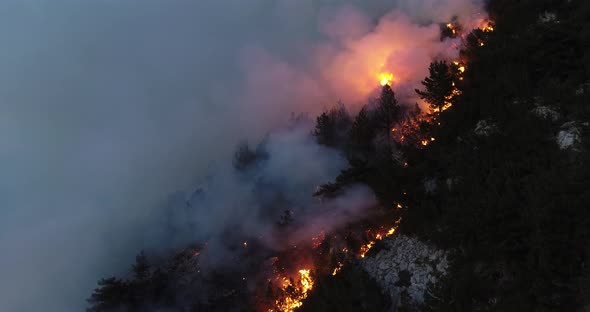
{"x":106,"y":107}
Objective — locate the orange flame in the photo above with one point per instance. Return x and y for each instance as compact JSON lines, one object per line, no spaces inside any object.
{"x":296,"y":292}
{"x":385,"y":78}
{"x":379,"y":236}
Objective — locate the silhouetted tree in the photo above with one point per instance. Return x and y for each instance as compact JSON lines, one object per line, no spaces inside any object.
{"x":361,"y":135}
{"x":439,"y":85}
{"x":141,"y":268}
{"x":332,"y":126}
{"x":244,"y":156}
{"x":388,"y":111}
{"x":112,"y":294}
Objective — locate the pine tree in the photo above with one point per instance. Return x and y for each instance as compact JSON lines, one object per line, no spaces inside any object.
{"x":244,"y":157}
{"x":324,"y":129}
{"x":361,"y":132}
{"x":388,"y":111}
{"x":141,"y":268}
{"x":332,"y":126}
{"x":439,"y":85}
{"x":112,"y":294}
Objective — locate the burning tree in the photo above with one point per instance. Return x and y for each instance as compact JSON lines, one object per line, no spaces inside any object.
{"x":451,"y":30}
{"x":439,"y":86}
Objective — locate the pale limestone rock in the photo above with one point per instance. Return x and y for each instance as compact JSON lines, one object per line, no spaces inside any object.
{"x":546,"y":113}
{"x":485,"y":128}
{"x":569,"y":136}
{"x":548,"y":17}
{"x":425,"y":263}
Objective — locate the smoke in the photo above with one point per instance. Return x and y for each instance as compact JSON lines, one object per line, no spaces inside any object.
{"x":233,"y":205}
{"x":106,"y":107}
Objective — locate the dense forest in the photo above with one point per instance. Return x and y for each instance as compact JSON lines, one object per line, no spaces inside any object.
{"x":501,"y":178}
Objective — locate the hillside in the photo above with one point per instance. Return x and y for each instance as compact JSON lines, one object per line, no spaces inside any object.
{"x":483,"y":205}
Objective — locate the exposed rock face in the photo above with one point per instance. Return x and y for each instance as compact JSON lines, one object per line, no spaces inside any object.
{"x":569,"y":136}
{"x":546,"y":113}
{"x":430,"y":185}
{"x":406,"y":265}
{"x":485,"y":128}
{"x":548,"y":17}
{"x":582,"y":88}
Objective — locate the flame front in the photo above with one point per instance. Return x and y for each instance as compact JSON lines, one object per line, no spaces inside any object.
{"x":295,"y":292}
{"x":378,"y":236}
{"x":385,"y":78}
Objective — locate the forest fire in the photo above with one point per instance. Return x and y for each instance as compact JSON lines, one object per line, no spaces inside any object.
{"x":327,"y":259}
{"x":296,"y":270}
{"x":279,"y":271}
{"x":377,"y":237}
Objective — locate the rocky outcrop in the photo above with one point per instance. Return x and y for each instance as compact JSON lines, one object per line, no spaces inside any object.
{"x":485,"y":128}
{"x":406,"y":266}
{"x":569,"y":135}
{"x":546,"y":113}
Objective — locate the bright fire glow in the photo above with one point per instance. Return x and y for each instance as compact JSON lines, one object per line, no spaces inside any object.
{"x":296,"y":292}
{"x":377,"y":237}
{"x":385,"y":78}
{"x":488,"y":28}
{"x":452,"y":28}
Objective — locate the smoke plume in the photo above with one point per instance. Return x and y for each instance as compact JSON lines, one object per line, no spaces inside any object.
{"x":108,"y":107}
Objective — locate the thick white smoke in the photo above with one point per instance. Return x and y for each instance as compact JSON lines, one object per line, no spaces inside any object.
{"x":106,"y":107}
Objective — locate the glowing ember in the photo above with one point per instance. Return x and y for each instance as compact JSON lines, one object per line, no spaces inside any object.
{"x":337,"y":269}
{"x":444,"y":108}
{"x":391,"y":231}
{"x":366,"y":248}
{"x":488,"y":28}
{"x":452,"y":28}
{"x":317,"y":241}
{"x":385,"y":78}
